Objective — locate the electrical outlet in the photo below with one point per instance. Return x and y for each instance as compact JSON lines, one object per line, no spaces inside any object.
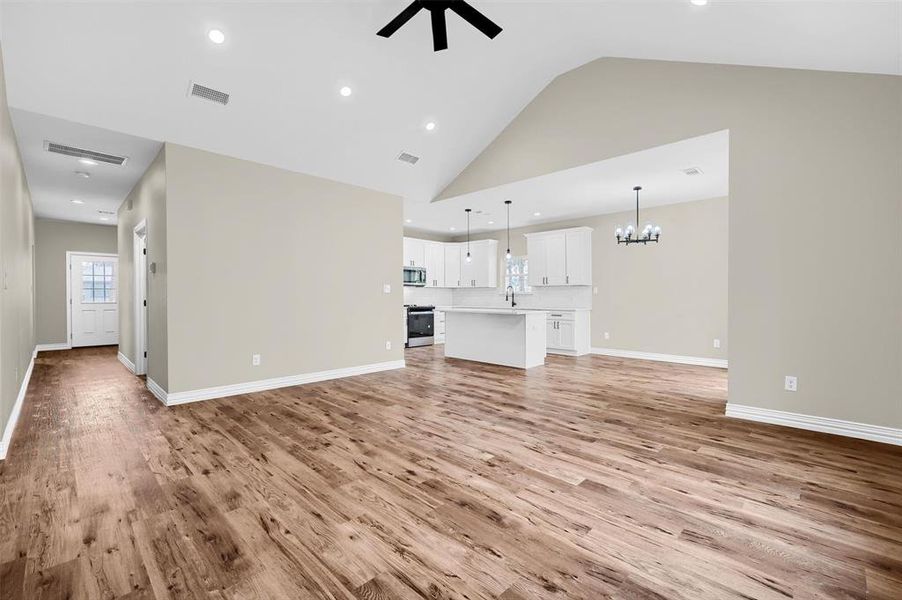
{"x":255,"y":360}
{"x":388,"y":345}
{"x":386,"y":288}
{"x":716,"y":343}
{"x":607,"y":335}
{"x":595,"y":290}
{"x":791,"y":383}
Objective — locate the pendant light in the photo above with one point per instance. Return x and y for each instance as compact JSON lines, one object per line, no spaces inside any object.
{"x":467,"y":210}
{"x":629,"y":235}
{"x":508,"y":254}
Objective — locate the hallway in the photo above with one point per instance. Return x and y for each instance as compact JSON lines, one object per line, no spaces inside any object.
{"x":443,"y":480}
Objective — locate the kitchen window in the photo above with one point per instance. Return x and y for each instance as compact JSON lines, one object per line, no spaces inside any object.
{"x":517,"y":275}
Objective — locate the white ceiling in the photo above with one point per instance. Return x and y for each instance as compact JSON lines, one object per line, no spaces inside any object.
{"x":52,"y":179}
{"x":602,"y":187}
{"x":126,"y":67}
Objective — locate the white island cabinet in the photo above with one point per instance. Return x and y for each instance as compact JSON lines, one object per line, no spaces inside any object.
{"x":499,"y":336}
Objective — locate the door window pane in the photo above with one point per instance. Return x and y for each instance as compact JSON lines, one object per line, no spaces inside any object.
{"x":98,"y":282}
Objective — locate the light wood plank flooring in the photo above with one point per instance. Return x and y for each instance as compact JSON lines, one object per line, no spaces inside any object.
{"x":587,"y":478}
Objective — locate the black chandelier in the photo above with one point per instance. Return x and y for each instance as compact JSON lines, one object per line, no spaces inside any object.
{"x":627,"y":235}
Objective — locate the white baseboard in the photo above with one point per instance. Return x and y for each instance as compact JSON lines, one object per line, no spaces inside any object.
{"x":156,"y":390}
{"x":125,"y":361}
{"x":720,"y":363}
{"x":175,"y":398}
{"x":50,"y":347}
{"x":17,"y":408}
{"x":864,"y":431}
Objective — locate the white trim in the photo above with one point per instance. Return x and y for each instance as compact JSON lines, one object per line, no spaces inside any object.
{"x":156,"y":390}
{"x":69,"y":254}
{"x":173,"y":399}
{"x":864,"y":431}
{"x":139,"y":294}
{"x":720,"y":363}
{"x":125,"y":361}
{"x":51,"y":347}
{"x":17,"y":408}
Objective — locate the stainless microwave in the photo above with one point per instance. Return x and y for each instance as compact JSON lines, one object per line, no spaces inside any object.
{"x":415,"y":276}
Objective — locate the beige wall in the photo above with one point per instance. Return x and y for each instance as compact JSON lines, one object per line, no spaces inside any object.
{"x":427,"y":235}
{"x":52,"y":240}
{"x":815,"y":260}
{"x":16,"y":260}
{"x":146,"y":202}
{"x":668,"y":298}
{"x":276,"y":263}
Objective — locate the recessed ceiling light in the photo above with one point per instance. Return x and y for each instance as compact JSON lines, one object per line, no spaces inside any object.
{"x":408,"y":220}
{"x":452,"y":229}
{"x":345,"y":91}
{"x":216,"y":36}
{"x":78,"y":202}
{"x":87,"y":161}
{"x":104,"y":218}
{"x":84,"y":174}
{"x":491,"y":222}
{"x":537,"y":214}
{"x":699,"y":2}
{"x":430,"y":125}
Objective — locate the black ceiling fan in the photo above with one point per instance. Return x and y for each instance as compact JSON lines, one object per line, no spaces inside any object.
{"x":437,"y":10}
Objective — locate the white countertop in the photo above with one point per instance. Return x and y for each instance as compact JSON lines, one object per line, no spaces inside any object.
{"x":504,"y":308}
{"x":492,"y":311}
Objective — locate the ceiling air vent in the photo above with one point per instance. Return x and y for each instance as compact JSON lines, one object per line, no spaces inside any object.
{"x":692,"y":171}
{"x":111,"y":159}
{"x":408,"y":158}
{"x":106,"y":212}
{"x":202,"y":91}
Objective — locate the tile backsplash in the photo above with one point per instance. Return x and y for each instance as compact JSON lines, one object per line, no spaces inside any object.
{"x":550,"y":297}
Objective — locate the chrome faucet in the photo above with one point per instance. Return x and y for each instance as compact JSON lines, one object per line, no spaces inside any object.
{"x":513,"y":302}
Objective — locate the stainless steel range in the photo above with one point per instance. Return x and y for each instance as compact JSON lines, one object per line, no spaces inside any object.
{"x":420,"y":325}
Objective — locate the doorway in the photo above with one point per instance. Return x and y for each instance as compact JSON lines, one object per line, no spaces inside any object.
{"x":93,"y":318}
{"x":140,"y":269}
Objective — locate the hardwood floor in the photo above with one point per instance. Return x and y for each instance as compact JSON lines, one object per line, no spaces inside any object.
{"x":587,"y":478}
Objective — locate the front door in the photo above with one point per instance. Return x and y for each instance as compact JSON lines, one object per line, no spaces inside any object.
{"x":94,"y":300}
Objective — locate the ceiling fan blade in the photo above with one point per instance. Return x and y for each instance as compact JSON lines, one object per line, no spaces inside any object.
{"x":475,"y":18}
{"x":402,"y":18}
{"x":439,"y":30}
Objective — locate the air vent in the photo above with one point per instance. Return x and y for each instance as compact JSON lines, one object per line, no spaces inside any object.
{"x":202,"y":91}
{"x":106,"y":212}
{"x":111,"y":159}
{"x":692,"y":171}
{"x":408,"y":158}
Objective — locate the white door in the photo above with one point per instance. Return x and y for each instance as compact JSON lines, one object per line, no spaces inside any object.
{"x":556,"y":260}
{"x":452,"y":266}
{"x":94,"y":299}
{"x":552,"y":337}
{"x":579,"y":257}
{"x":536,"y":249}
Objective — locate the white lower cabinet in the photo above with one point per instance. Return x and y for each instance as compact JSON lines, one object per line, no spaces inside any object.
{"x":439,"y":329}
{"x":568,"y":332}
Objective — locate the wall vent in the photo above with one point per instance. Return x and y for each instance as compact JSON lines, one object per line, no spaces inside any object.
{"x":111,"y":159}
{"x":408,"y":158}
{"x":201,"y":91}
{"x":692,"y":171}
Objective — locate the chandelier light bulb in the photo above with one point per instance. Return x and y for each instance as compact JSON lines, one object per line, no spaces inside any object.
{"x":468,"y":257}
{"x":619,"y":232}
{"x":508,"y":254}
{"x":657,"y":230}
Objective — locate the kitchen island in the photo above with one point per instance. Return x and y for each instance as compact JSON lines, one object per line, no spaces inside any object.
{"x":499,"y":336}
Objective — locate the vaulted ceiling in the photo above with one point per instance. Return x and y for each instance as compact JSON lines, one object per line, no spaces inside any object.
{"x":127,"y":66}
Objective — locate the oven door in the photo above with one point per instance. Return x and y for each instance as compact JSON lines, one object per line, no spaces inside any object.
{"x":415,"y":276}
{"x":420,"y":328}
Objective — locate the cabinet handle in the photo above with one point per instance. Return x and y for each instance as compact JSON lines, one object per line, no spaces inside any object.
{"x":568,"y":279}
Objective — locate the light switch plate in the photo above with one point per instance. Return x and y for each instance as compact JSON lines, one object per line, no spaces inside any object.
{"x":607,"y":335}
{"x":791,"y":383}
{"x":386,"y":288}
{"x":388,"y":345}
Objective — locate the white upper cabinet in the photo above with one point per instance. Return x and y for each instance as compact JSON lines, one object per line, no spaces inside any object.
{"x":452,"y":265}
{"x":435,"y":264}
{"x":579,"y":256}
{"x":414,"y":252}
{"x":482,"y":269}
{"x":561,"y":257}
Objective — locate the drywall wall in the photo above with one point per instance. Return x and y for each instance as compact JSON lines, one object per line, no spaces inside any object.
{"x":52,"y":240}
{"x":146,"y":202}
{"x":285,"y":265}
{"x":665,"y":298}
{"x":17,"y":264}
{"x":815,"y":246}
